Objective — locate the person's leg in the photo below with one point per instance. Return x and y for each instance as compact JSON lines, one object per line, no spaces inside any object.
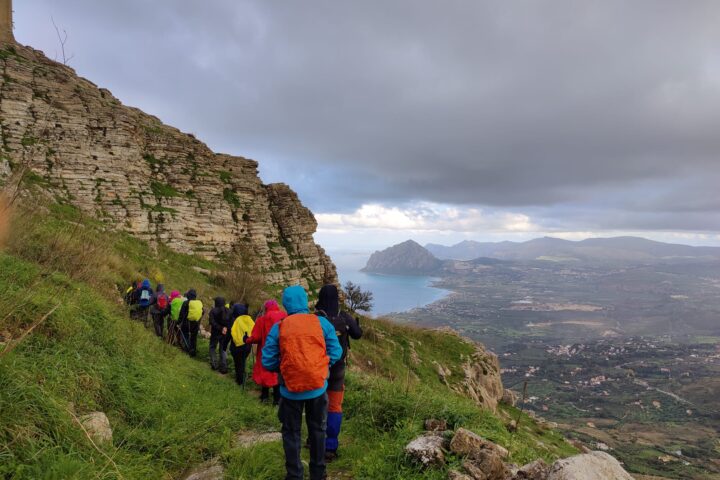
{"x":158,"y":321}
{"x":194,"y":329}
{"x":290,"y":415}
{"x":276,"y":394}
{"x":185,"y":335}
{"x":334,"y":421}
{"x":224,"y":340}
{"x":235,"y":352}
{"x":316,"y":419}
{"x":214,"y":340}
{"x":264,"y":394}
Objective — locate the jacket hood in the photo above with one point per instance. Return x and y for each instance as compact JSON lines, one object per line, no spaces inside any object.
{"x":271,"y":305}
{"x":160,"y":288}
{"x":295,"y":300}
{"x":191,"y":294}
{"x":239,"y":309}
{"x":145,"y":283}
{"x":174,"y":294}
{"x":329,"y":300}
{"x":219,"y":302}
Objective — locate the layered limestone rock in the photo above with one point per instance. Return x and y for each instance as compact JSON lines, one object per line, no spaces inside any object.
{"x":134,"y":173}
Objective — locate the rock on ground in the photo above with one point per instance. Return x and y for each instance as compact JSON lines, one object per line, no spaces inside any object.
{"x":588,"y":466}
{"x":455,"y":475}
{"x":435,"y":425}
{"x":249,"y":439}
{"x":98,"y":426}
{"x":427,"y":449}
{"x":537,"y":470}
{"x":210,"y":470}
{"x":470,"y":444}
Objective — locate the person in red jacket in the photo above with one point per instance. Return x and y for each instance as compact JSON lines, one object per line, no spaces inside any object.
{"x":265,"y":378}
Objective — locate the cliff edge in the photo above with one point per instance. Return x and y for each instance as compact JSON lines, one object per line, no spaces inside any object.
{"x":136,"y":174}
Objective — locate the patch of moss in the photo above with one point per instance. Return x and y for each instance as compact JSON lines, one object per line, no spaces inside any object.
{"x":231,"y":197}
{"x":163,"y":190}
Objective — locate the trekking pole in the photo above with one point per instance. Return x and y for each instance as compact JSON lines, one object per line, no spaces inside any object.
{"x":522,"y":405}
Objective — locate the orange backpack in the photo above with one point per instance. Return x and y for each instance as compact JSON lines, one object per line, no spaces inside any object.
{"x":304,"y":362}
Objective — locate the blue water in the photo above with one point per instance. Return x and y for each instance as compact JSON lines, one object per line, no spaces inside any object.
{"x":391,"y":293}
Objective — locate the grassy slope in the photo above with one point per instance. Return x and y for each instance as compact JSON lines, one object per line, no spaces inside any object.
{"x":168,"y":411}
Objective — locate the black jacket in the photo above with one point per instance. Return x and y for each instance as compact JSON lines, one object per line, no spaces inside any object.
{"x":346,"y":328}
{"x":219,"y":317}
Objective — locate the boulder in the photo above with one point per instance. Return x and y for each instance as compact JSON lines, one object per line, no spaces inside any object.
{"x":482,"y":381}
{"x":509,"y":397}
{"x":428,"y":449}
{"x":455,"y":475}
{"x":537,"y":470}
{"x":435,"y":425}
{"x":210,"y":470}
{"x":588,"y":466}
{"x":98,"y":426}
{"x":487,"y":465}
{"x":470,"y":444}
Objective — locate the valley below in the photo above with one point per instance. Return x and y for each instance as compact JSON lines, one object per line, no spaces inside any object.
{"x":623,"y":358}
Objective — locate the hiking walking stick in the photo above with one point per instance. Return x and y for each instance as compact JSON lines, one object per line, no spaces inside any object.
{"x":522,"y":405}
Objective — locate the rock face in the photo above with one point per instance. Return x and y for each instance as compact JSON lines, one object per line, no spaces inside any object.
{"x":98,"y":426}
{"x":407,"y":258}
{"x":136,"y":174}
{"x":589,"y":466}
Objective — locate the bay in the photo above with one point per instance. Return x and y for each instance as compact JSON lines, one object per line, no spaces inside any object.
{"x":391,"y":293}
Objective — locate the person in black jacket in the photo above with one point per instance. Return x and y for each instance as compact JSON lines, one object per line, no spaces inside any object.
{"x":346,"y":327}
{"x":190,"y":314}
{"x":219,"y":330}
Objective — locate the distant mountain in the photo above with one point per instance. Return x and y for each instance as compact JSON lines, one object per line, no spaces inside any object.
{"x":593,"y":250}
{"x":407,"y":258}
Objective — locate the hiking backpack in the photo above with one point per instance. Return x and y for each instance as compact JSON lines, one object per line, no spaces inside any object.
{"x":304,"y":364}
{"x":144,"y":298}
{"x":162,"y":301}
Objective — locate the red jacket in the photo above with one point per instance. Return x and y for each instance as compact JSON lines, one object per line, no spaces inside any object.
{"x":273,"y":315}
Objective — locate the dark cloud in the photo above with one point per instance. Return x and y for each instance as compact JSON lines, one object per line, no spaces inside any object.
{"x":607,"y":109}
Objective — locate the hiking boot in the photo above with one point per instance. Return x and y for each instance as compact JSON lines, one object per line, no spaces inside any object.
{"x":330,"y":456}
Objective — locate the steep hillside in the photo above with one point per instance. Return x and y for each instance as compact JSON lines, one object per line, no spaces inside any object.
{"x":136,"y":174}
{"x":407,"y":258}
{"x":169,"y":412}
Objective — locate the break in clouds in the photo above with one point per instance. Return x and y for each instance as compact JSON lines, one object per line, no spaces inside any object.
{"x":569,"y":115}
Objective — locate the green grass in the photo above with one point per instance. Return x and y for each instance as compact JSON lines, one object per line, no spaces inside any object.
{"x":231,"y":197}
{"x":170,"y":412}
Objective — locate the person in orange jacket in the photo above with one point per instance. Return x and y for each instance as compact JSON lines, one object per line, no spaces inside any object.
{"x":260,"y":375}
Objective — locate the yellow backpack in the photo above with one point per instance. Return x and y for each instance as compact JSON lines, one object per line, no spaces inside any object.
{"x":195,"y":310}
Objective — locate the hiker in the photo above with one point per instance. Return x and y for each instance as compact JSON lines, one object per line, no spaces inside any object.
{"x":159,"y":309}
{"x":173,"y":327}
{"x":242,"y":326}
{"x":346,"y":327}
{"x":190,"y":314}
{"x":129,"y":293}
{"x":219,"y":322}
{"x":144,"y":295}
{"x":260,"y":375}
{"x":302,"y":347}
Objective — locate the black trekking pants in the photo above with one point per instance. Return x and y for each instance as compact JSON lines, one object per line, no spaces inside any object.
{"x":290,"y":415}
{"x":192,"y":328}
{"x":159,"y":323}
{"x":219,"y":342}
{"x":240,"y":355}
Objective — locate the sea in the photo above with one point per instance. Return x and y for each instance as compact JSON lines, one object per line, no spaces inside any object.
{"x":391,"y":293}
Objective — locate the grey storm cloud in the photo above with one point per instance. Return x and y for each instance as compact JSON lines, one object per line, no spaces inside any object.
{"x":582,"y":108}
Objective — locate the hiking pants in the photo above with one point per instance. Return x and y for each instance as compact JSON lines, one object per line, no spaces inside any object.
{"x":265,"y":394}
{"x":218,"y":341}
{"x":336,"y":394}
{"x":290,"y":414}
{"x":158,"y":322}
{"x":193,"y":329}
{"x":240,"y":355}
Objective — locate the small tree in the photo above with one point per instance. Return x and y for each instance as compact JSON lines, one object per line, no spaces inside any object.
{"x":356,"y":298}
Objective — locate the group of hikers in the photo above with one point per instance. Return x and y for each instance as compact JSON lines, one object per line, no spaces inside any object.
{"x":300,"y":355}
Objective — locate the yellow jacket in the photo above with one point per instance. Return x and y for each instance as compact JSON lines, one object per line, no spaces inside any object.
{"x":243,"y":326}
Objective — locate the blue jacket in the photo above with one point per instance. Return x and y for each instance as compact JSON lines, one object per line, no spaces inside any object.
{"x":295,"y":300}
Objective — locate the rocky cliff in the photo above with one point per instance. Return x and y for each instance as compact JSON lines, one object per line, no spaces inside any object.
{"x":407,"y":258}
{"x":134,"y":173}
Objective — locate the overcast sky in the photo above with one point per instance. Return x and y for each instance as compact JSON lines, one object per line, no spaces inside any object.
{"x":437,"y":120}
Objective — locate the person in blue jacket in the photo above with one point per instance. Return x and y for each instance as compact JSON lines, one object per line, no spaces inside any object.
{"x":302,"y":347}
